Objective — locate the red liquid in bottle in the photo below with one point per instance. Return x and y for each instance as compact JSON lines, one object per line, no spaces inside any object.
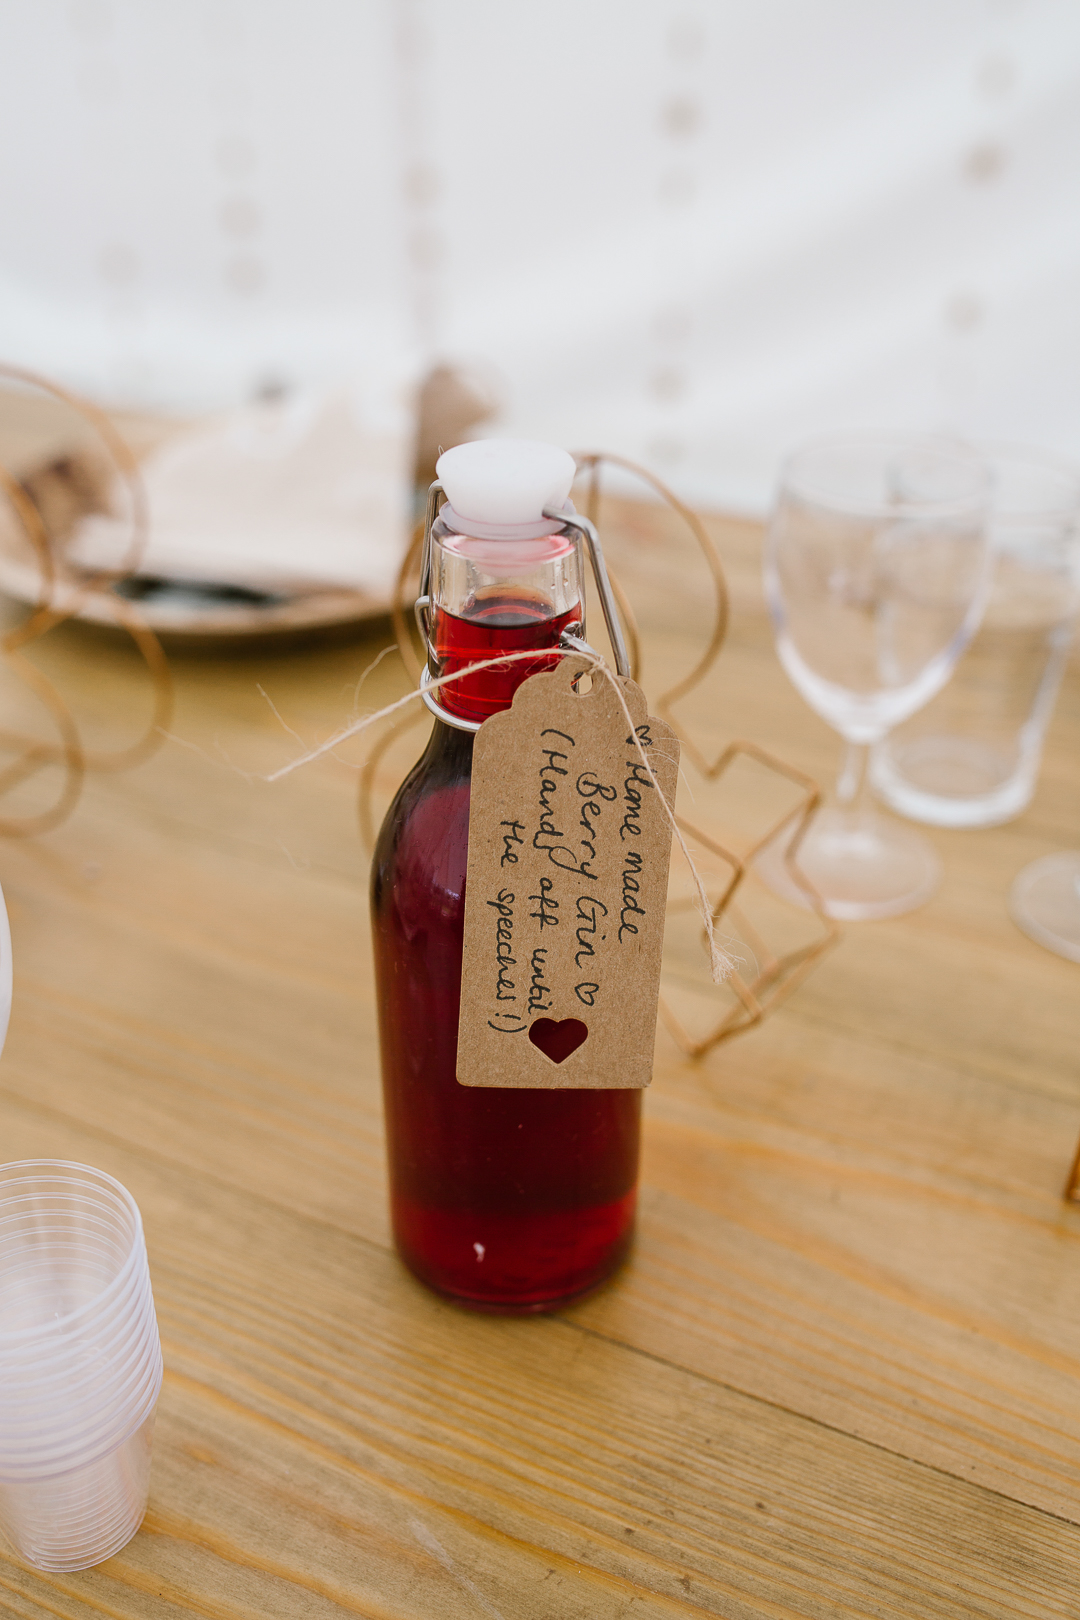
{"x":501,"y":622}
{"x":505,"y":1200}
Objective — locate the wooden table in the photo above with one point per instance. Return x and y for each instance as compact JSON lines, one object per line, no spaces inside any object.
{"x":839,"y":1377}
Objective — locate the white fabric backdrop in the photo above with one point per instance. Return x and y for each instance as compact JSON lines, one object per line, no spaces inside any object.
{"x":690,"y":231}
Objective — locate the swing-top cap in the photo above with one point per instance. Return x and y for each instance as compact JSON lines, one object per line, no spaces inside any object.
{"x":505,"y":481}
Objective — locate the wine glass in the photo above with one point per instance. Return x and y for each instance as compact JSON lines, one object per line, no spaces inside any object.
{"x":875,"y":572}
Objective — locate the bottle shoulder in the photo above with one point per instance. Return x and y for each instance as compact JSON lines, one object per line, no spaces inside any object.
{"x":423,"y":844}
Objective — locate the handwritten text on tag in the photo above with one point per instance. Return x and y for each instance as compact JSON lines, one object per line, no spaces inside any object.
{"x":567,"y":888}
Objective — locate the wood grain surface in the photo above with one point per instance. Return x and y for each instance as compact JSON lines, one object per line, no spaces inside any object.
{"x":840,"y":1374}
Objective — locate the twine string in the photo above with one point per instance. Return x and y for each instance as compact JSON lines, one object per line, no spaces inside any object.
{"x":721,"y":964}
{"x":62,"y":594}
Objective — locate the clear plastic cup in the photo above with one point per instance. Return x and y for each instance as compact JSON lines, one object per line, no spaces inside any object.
{"x":80,"y":1516}
{"x":80,"y":1364}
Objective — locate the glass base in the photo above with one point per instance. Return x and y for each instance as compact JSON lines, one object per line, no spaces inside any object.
{"x":512,"y":1264}
{"x":953,"y":781}
{"x":862,"y":865}
{"x":1045,"y":903}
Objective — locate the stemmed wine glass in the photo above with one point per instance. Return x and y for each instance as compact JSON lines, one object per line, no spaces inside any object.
{"x":875,"y":572}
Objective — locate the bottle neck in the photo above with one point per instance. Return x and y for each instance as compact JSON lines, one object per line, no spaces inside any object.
{"x":490,"y":599}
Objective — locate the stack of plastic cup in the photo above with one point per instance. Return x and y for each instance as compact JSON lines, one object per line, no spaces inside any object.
{"x":80,"y":1364}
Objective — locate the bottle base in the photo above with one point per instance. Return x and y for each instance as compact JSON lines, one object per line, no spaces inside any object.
{"x":514,"y":1265}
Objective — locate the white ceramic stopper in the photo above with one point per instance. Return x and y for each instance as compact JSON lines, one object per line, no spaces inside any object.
{"x":505,"y":480}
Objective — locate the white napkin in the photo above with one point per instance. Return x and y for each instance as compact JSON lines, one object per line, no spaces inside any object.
{"x":311,"y":491}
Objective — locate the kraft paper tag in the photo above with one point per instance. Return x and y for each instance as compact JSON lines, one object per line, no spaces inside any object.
{"x":569,"y":849}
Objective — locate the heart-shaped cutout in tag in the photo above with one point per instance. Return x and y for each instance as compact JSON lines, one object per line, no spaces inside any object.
{"x":557,"y":1039}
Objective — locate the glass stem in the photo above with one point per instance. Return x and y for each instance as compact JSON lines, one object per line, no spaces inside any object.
{"x":851,"y":784}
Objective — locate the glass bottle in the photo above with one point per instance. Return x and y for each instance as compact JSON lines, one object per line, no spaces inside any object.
{"x":505,"y":1200}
